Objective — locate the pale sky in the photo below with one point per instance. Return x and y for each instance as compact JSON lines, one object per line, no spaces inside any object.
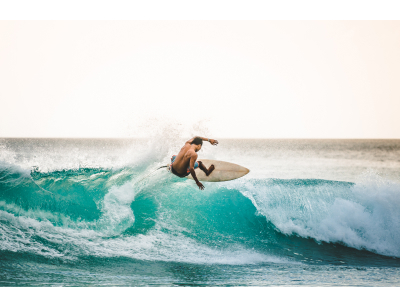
{"x":237,"y":79}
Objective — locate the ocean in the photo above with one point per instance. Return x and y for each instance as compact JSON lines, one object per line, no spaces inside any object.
{"x":77,"y":212}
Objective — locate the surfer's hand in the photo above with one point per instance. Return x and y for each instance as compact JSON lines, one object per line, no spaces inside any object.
{"x":201,"y":186}
{"x":213,"y":142}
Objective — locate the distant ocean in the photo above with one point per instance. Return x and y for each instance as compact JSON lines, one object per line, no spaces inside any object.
{"x":75,"y":212}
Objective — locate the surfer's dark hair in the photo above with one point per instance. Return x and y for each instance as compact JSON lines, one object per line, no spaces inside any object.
{"x":197,"y":141}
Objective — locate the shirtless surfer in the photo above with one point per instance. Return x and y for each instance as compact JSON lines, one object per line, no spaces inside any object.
{"x":185,"y":162}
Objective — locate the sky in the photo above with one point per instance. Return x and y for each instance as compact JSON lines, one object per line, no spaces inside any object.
{"x":232,"y":79}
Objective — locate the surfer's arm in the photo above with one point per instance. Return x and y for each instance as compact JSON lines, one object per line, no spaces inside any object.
{"x":213,"y":142}
{"x":193,"y":159}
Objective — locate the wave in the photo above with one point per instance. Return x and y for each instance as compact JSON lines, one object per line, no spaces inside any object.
{"x":103,"y":212}
{"x":361,"y":215}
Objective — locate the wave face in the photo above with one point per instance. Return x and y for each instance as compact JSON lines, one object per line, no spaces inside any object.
{"x":105,"y":213}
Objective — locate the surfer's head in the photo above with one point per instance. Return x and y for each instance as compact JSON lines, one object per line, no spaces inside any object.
{"x":198,"y":142}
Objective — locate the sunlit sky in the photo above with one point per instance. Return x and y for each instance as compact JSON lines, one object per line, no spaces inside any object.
{"x":237,"y":79}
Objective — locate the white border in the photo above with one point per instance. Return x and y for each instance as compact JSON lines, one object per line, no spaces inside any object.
{"x":199,"y":10}
{"x":200,"y":295}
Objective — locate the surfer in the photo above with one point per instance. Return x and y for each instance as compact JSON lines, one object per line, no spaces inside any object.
{"x":185,"y":162}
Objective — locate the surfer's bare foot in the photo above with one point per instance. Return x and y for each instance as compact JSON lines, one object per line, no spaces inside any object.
{"x":210,"y":169}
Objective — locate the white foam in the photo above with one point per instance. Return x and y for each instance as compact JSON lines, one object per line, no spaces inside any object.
{"x":18,"y":233}
{"x":366,"y":216}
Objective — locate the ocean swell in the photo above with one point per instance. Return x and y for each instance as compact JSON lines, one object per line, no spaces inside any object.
{"x":104,"y":212}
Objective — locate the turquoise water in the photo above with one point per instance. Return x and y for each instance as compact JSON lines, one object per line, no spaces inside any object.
{"x":311,"y":212}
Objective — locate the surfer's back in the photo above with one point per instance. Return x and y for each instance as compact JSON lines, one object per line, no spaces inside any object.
{"x":182,"y":160}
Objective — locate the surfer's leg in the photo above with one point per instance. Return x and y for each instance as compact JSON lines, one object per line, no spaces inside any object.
{"x":205,"y":170}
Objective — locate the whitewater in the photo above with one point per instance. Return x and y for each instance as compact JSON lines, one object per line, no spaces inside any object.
{"x":77,"y":212}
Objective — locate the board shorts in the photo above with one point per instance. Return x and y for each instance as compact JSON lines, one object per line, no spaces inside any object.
{"x":196,"y":165}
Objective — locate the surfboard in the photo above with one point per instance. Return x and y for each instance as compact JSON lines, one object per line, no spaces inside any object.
{"x":224,"y":171}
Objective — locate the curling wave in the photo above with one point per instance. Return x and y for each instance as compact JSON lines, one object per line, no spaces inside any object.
{"x":104,"y":212}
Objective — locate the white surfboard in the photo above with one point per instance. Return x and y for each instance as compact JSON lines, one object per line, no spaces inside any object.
{"x":224,"y":171}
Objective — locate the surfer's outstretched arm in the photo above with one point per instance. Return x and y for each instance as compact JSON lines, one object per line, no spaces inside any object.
{"x":212,"y":141}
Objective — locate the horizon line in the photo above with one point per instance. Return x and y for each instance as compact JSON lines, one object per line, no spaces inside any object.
{"x":225,"y":138}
